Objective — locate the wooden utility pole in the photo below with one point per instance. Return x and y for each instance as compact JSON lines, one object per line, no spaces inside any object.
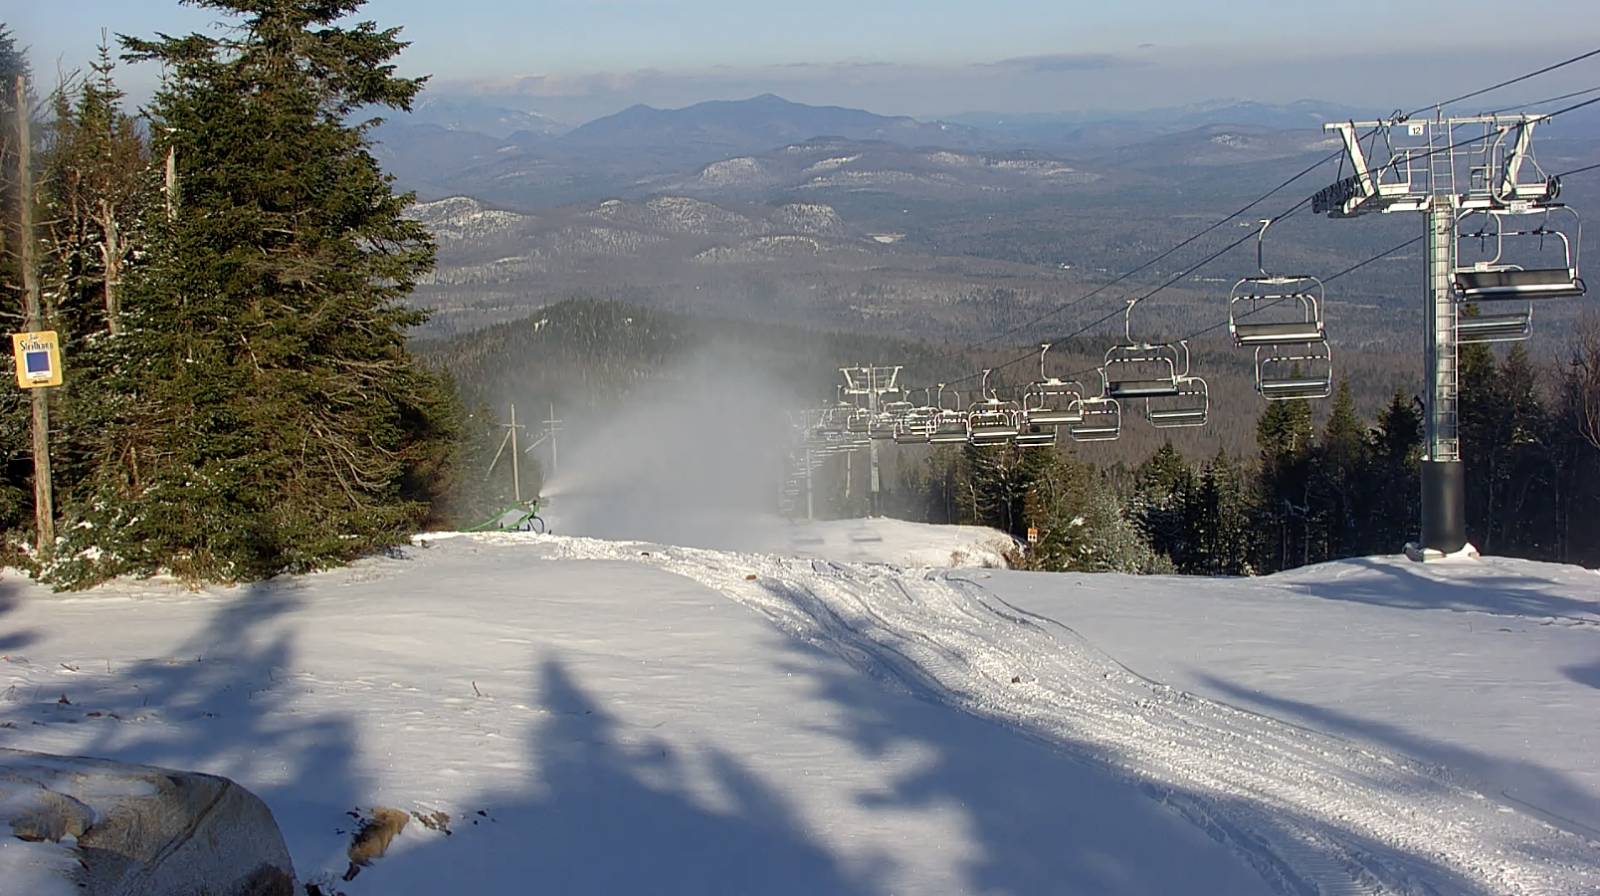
{"x":44,"y":514}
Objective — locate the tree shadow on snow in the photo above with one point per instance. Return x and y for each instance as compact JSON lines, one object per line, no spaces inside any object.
{"x":10,"y":597}
{"x":1057,"y":816}
{"x":1406,"y":586}
{"x":1523,"y":781}
{"x":608,"y":810}
{"x":218,"y":702}
{"x":1589,"y":675}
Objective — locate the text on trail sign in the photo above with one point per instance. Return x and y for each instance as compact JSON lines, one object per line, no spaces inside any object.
{"x":38,"y":357}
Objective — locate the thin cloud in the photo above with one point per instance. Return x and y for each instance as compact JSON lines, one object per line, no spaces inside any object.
{"x":1063,"y":62}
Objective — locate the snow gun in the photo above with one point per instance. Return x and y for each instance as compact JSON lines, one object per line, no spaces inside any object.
{"x":520,"y":517}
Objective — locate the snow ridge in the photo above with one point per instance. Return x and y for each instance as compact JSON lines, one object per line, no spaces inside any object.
{"x":1314,"y":814}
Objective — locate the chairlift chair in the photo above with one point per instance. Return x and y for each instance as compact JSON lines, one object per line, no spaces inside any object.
{"x":887,"y":421}
{"x":1189,"y":405}
{"x":992,"y":421}
{"x":949,"y":424}
{"x":1035,"y":435}
{"x":916,"y":426}
{"x":913,"y":423}
{"x":1275,"y":309}
{"x":1280,"y":316}
{"x":1050,"y":401}
{"x":1101,"y":420}
{"x":1285,"y":372}
{"x":1501,"y":327}
{"x":1542,"y":263}
{"x":1138,"y":369}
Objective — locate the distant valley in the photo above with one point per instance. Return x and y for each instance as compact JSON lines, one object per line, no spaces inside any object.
{"x":840,"y":219}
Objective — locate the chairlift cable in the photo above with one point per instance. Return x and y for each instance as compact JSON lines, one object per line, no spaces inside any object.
{"x":1467,"y":96}
{"x":1554,"y":99}
{"x":1121,"y":277}
{"x":1216,"y":326}
{"x":1578,"y":170}
{"x":1176,"y":278}
{"x":1335,"y":155}
{"x":1235,"y":244}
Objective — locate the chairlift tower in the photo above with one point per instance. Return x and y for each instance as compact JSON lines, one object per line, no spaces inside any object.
{"x":872,"y":383}
{"x":1447,"y":168}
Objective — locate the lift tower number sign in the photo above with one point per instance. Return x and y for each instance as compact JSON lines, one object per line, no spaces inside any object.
{"x":38,"y":357}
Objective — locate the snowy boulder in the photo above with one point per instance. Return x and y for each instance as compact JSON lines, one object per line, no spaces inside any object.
{"x":138,"y":829}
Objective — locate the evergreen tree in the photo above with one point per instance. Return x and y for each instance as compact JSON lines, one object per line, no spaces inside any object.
{"x":1082,"y":523}
{"x":998,"y":480}
{"x":1509,"y":463}
{"x":1337,"y":486}
{"x":1395,"y":508}
{"x":1165,"y":485}
{"x":1220,"y":519}
{"x":260,"y":413}
{"x":16,"y":466}
{"x":1285,"y":434}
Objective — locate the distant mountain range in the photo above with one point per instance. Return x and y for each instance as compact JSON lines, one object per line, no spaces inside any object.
{"x":468,"y":114}
{"x":1088,"y":131}
{"x":766,"y":121}
{"x":742,"y":148}
{"x":762,"y":123}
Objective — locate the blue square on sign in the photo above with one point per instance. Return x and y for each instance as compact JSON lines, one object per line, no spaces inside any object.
{"x":37,"y":363}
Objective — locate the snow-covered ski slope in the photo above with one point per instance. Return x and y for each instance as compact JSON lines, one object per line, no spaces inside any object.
{"x":611,"y":717}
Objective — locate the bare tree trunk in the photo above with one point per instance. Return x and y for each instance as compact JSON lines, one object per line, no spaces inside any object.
{"x":1586,"y":369}
{"x":112,"y":250}
{"x":43,"y":501}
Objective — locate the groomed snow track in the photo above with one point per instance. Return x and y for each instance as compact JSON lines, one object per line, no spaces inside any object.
{"x":1314,"y":814}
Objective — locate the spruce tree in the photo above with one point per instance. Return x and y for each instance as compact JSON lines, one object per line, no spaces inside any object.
{"x":260,"y":413}
{"x":1508,"y":455}
{"x":1285,"y":434}
{"x":16,"y":467}
{"x":1164,"y":486}
{"x":1338,"y":468}
{"x":1396,"y":507}
{"x":1220,"y":518}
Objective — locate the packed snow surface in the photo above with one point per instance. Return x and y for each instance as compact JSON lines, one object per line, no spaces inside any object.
{"x":601,"y":716}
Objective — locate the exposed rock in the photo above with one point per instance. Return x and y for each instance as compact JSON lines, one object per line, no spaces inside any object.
{"x":145,"y":830}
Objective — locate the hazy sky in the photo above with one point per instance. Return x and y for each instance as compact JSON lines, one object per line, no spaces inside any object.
{"x":580,"y":58}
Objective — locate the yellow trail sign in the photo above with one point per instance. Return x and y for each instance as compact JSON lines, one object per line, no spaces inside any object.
{"x":38,"y":357}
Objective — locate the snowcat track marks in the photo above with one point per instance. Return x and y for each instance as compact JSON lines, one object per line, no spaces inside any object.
{"x":1314,"y":814}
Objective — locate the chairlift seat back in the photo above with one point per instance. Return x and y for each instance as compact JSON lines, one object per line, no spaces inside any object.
{"x":1054,"y":417}
{"x":1102,"y":421}
{"x":1140,"y":388}
{"x":1512,"y":283}
{"x":1278,"y":333}
{"x":1302,"y":387}
{"x":1494,"y":328}
{"x":1175,"y":417}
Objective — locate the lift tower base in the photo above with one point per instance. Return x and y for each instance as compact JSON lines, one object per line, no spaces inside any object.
{"x":1444,"y":531}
